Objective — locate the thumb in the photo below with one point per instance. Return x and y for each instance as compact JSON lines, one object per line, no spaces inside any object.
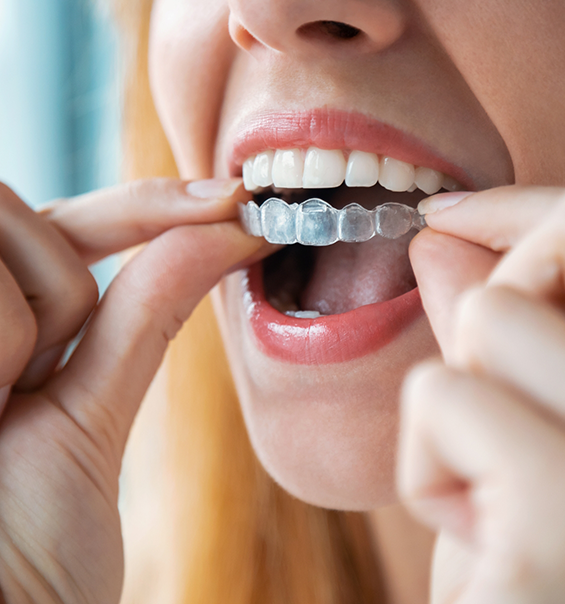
{"x":105,"y":380}
{"x":445,"y":267}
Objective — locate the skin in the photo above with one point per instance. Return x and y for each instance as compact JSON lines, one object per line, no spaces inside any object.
{"x":62,"y":436}
{"x":482,"y":443}
{"x":415,"y":68}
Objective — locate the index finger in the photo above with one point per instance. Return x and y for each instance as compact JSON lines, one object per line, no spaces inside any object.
{"x":496,"y":218}
{"x":111,"y":220}
{"x":107,"y":376}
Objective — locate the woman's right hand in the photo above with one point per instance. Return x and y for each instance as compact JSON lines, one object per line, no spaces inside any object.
{"x":62,"y":433}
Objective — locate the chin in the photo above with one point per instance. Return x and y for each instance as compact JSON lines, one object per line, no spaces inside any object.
{"x":325,"y":432}
{"x":337,"y":454}
{"x":320,"y":337}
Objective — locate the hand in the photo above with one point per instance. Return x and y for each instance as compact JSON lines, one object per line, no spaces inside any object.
{"x":482,"y":454}
{"x":62,"y":433}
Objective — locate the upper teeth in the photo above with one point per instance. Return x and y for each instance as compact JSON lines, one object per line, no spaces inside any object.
{"x":319,"y":168}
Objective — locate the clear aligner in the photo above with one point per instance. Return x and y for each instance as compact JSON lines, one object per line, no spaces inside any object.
{"x":316,"y":222}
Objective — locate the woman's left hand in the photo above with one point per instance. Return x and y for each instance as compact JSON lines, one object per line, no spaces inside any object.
{"x":482,"y":447}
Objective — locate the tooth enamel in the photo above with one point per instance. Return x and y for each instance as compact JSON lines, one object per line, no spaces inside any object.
{"x":396,"y":175}
{"x":248,"y":181}
{"x":320,"y":168}
{"x":393,"y":220}
{"x":450,"y":184}
{"x":288,"y":166}
{"x":262,"y":169}
{"x":252,"y":219}
{"x":355,"y":224}
{"x":303,"y":314}
{"x":362,"y":169}
{"x":428,"y":180}
{"x":278,"y":221}
{"x":316,"y":223}
{"x":323,"y":169}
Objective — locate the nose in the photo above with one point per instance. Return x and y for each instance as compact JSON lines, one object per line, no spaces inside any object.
{"x":295,"y":26}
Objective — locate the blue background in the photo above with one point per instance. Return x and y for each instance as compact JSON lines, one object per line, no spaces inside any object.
{"x":59,"y":101}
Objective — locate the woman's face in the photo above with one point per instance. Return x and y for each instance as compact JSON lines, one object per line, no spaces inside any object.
{"x":473,"y":90}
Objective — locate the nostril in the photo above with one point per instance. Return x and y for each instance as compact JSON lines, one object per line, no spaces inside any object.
{"x":339,"y":30}
{"x":333,"y":30}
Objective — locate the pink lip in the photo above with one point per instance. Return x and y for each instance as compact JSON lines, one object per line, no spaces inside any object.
{"x":333,"y":129}
{"x":347,"y":336}
{"x":332,"y":339}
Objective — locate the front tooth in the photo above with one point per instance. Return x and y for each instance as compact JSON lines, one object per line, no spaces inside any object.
{"x":278,"y":221}
{"x":450,"y":184}
{"x":262,"y":169}
{"x":323,"y":169}
{"x":316,"y":223}
{"x":248,"y":181}
{"x":304,"y":314}
{"x":396,"y":175}
{"x":362,"y":169}
{"x":288,"y":166}
{"x":428,"y":180}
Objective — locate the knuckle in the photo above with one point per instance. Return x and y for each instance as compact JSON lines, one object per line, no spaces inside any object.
{"x":172,"y":327}
{"x":147,"y":189}
{"x":132,"y":189}
{"x":137,"y":189}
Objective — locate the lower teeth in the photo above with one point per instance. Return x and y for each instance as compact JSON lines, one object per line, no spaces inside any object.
{"x":304,"y":314}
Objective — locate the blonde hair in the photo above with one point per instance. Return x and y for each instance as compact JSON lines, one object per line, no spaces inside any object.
{"x":239,"y":538}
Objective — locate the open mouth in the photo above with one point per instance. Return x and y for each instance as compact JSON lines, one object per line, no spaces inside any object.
{"x":334,"y":303}
{"x":311,"y":282}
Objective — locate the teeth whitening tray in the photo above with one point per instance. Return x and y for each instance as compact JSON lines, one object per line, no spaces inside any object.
{"x":316,"y":222}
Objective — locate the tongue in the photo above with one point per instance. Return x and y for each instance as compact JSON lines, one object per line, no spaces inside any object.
{"x":349,"y":275}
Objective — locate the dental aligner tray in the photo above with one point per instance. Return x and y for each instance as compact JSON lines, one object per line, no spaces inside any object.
{"x":316,"y":222}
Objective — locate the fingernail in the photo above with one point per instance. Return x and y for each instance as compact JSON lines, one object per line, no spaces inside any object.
{"x":213,"y":188}
{"x":4,"y":395}
{"x":442,"y":201}
{"x":40,"y":368}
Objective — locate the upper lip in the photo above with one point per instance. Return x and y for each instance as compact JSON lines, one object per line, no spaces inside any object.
{"x":335,"y":129}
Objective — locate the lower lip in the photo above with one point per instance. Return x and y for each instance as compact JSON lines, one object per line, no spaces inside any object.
{"x":326,"y":340}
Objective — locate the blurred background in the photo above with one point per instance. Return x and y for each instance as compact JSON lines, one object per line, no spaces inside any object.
{"x":60,"y":136}
{"x":59,"y":101}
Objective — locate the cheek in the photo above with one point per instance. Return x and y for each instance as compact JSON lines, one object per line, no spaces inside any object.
{"x":190,"y":56}
{"x":512,"y":56}
{"x":326,"y":434}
